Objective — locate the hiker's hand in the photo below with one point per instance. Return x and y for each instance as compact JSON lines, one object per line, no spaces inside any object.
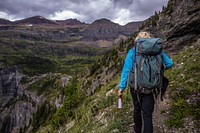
{"x":120,"y":92}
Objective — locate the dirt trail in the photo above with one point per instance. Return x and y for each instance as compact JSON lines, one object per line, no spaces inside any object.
{"x":160,"y":116}
{"x":161,"y":112}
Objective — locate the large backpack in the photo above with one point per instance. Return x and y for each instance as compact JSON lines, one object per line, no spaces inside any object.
{"x":148,"y":66}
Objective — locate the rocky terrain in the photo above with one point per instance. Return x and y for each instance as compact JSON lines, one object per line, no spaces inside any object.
{"x":4,"y":22}
{"x":37,"y":56}
{"x":40,"y":28}
{"x":178,"y":24}
{"x":53,"y":79}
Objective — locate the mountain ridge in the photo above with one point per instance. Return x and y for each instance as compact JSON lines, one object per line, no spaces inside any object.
{"x":101,"y":33}
{"x":42,"y":20}
{"x":35,"y":20}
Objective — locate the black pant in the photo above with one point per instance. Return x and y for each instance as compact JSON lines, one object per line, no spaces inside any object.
{"x":146,"y":108}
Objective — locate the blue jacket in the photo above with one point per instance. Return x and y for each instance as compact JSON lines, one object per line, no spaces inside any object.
{"x":129,"y":65}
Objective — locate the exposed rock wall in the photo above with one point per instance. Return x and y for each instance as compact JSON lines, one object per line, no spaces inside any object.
{"x":16,"y":106}
{"x":8,"y":85}
{"x":21,"y":108}
{"x":178,"y":24}
{"x":12,"y":111}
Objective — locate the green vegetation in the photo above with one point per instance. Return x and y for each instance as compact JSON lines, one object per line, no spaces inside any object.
{"x":43,"y":114}
{"x":169,"y":9}
{"x":40,"y":57}
{"x":36,"y":65}
{"x":185,"y":86}
{"x":46,"y":85}
{"x":151,"y":21}
{"x":74,"y":97}
{"x":99,"y":113}
{"x":31,"y":65}
{"x":83,"y":110}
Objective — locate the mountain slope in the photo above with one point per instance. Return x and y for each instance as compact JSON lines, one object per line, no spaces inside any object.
{"x":37,"y":63}
{"x":182,"y":108}
{"x":100,"y":33}
{"x":99,"y":113}
{"x":36,"y":20}
{"x":87,"y":102}
{"x":70,"y":22}
{"x":4,"y":22}
{"x":178,"y":24}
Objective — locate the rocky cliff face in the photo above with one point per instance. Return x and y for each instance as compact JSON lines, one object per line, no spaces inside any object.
{"x":22,"y":109}
{"x":178,"y":24}
{"x":17,"y":106}
{"x":15,"y":109}
{"x":8,"y":84}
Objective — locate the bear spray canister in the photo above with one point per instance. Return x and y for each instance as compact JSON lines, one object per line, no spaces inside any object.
{"x":120,"y":102}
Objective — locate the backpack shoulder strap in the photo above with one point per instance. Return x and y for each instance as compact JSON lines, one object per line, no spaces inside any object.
{"x":135,"y":68}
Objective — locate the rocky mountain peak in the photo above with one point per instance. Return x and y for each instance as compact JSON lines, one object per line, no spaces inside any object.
{"x":69,"y":22}
{"x":36,"y":20}
{"x":103,"y":21}
{"x":4,"y":21}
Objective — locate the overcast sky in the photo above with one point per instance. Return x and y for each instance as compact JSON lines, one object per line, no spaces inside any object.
{"x":119,"y":11}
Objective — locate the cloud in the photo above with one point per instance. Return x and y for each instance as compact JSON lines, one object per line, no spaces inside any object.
{"x":66,"y":14}
{"x":122,"y":16}
{"x":7,"y":16}
{"x":119,"y":11}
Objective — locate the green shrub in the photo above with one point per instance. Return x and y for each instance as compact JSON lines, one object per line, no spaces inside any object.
{"x":43,"y":114}
{"x":74,"y":97}
{"x":45,"y":85}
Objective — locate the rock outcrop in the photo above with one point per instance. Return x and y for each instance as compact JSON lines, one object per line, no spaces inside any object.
{"x":21,"y":108}
{"x":178,"y":24}
{"x":15,"y":110}
{"x":17,"y":106}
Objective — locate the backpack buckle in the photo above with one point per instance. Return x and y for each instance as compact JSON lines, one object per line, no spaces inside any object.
{"x":144,"y":90}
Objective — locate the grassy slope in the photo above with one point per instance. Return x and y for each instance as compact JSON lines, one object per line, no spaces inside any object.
{"x":185,"y":86}
{"x":102,"y":113}
{"x":184,"y":91}
{"x":99,"y":113}
{"x":96,"y":111}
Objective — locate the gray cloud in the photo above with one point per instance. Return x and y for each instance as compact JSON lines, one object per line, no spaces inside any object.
{"x":123,"y":3}
{"x":120,"y":11}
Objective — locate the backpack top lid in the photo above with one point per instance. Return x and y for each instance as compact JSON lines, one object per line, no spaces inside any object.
{"x":149,"y":46}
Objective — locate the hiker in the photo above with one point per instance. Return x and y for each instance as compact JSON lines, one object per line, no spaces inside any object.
{"x":143,"y":99}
